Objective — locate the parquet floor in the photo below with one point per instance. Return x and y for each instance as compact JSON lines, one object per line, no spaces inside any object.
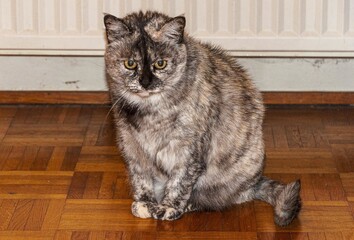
{"x":61,"y":177}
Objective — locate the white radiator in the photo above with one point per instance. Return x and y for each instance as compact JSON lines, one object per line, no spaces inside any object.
{"x":245,"y":27}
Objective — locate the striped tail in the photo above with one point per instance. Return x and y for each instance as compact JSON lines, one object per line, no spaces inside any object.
{"x":285,"y":198}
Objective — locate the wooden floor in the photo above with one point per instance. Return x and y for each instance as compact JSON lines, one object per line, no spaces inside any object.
{"x":61,"y":177}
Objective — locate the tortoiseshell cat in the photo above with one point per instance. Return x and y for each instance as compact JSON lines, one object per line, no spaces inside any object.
{"x":188,"y":121}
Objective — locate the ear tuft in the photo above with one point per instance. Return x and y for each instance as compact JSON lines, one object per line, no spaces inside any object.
{"x":115,"y":28}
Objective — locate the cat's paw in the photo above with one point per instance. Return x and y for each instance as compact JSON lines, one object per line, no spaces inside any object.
{"x":163,"y":212}
{"x":141,"y":209}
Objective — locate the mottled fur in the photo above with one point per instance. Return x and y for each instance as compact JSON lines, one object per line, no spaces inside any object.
{"x":191,"y":134}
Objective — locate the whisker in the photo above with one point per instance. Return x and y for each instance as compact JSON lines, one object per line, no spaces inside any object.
{"x":121,"y":108}
{"x":114,"y":104}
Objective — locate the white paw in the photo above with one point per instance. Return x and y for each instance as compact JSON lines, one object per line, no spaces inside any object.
{"x":166,"y":213}
{"x":141,"y":210}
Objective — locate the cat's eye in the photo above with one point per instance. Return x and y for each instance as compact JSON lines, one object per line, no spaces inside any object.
{"x":130,"y":64}
{"x":160,"y":64}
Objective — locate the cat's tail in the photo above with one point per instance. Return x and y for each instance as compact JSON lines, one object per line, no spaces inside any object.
{"x":285,"y":198}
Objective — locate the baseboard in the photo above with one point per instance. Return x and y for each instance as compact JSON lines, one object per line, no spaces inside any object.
{"x":102,"y":97}
{"x":308,"y":97}
{"x":54,"y":97}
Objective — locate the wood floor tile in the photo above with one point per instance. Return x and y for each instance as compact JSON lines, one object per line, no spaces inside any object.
{"x":78,"y":185}
{"x":98,"y":215}
{"x":268,"y":136}
{"x":343,"y":158}
{"x":207,"y":235}
{"x":333,"y":236}
{"x":62,"y":177}
{"x":279,"y":137}
{"x":106,"y":135}
{"x":348,"y":184}
{"x":122,"y":188}
{"x":132,"y":235}
{"x":100,"y":158}
{"x":317,"y":236}
{"x":80,"y":235}
{"x":8,"y":111}
{"x":53,"y":214}
{"x":348,"y":235}
{"x":56,"y":160}
{"x":28,"y":235}
{"x":20,"y":215}
{"x":108,"y":185}
{"x":13,"y":160}
{"x":274,"y":236}
{"x":45,"y":135}
{"x":63,"y":235}
{"x":37,"y":215}
{"x":4,"y":126}
{"x":316,"y":216}
{"x":304,"y":161}
{"x":92,"y":133}
{"x":7,"y":209}
{"x":299,"y":236}
{"x":36,"y":184}
{"x":29,"y":158}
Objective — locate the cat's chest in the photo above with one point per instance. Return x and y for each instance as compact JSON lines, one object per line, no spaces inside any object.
{"x":159,"y":138}
{"x":153,"y":133}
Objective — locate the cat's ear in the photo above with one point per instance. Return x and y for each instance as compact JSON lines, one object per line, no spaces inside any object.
{"x":173,"y":30}
{"x":115,"y":28}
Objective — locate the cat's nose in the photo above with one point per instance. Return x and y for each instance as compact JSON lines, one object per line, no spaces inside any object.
{"x":145,"y":82}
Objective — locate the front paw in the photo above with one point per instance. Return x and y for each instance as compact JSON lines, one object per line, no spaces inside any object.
{"x":141,"y":209}
{"x":163,"y":212}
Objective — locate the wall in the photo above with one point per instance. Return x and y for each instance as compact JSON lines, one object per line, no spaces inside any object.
{"x":87,"y":73}
{"x":244,"y":27}
{"x":291,"y":45}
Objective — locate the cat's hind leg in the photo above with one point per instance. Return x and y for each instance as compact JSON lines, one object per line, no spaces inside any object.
{"x":284,"y":198}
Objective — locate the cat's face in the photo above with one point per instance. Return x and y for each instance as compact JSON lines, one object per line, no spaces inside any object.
{"x":145,"y":55}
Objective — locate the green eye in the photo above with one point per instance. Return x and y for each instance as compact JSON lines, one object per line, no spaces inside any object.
{"x":160,"y":64}
{"x":130,"y":64}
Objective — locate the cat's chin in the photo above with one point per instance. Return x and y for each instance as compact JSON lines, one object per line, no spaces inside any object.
{"x":146,"y":94}
{"x":143,"y":94}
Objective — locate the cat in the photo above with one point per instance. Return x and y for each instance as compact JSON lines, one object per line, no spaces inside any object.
{"x":188,"y":121}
